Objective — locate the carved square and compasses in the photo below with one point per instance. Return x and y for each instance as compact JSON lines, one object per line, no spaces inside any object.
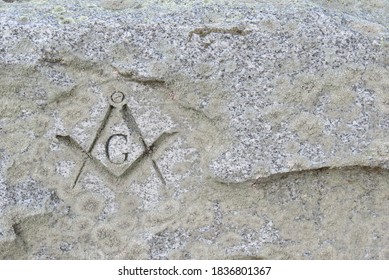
{"x":118,"y":146}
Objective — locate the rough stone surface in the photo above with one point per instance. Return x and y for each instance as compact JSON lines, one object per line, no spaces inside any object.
{"x":210,"y":129}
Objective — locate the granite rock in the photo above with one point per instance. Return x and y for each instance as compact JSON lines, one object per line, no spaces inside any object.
{"x":197,"y":130}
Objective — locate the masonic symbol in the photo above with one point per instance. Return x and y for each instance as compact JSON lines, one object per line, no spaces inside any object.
{"x":118,"y":146}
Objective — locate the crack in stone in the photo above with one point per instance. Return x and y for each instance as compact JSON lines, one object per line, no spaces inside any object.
{"x":204,"y":31}
{"x":309,"y":170}
{"x":132,"y":76}
{"x":277,"y":176}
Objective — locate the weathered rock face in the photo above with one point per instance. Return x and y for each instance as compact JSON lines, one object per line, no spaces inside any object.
{"x":146,"y":130}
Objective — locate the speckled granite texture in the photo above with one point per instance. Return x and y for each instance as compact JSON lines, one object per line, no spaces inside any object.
{"x":196,"y":130}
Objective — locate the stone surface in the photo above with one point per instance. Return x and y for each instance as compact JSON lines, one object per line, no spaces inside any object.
{"x":210,"y":129}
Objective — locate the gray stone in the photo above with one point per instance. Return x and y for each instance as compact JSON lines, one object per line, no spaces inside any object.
{"x":221,"y":129}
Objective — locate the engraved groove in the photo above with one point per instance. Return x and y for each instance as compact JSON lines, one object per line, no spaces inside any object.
{"x":101,"y":128}
{"x":79,"y":174}
{"x":131,"y":123}
{"x":99,"y":165}
{"x":162,"y":138}
{"x":159,"y":173}
{"x":70,"y":142}
{"x":133,"y":166}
